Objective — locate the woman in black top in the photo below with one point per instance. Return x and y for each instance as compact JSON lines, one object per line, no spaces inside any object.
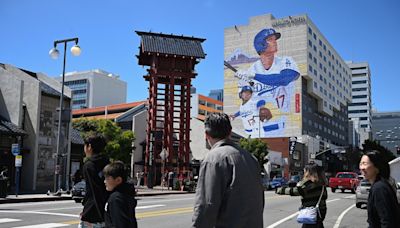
{"x":383,"y":208}
{"x":310,"y":189}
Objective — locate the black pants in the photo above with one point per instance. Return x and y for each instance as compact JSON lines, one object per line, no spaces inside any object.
{"x":318,"y":225}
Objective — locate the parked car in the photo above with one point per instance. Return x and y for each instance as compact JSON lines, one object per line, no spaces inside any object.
{"x":277,"y":182}
{"x":78,"y":191}
{"x":343,"y":181}
{"x":362,"y":193}
{"x":294,"y":180}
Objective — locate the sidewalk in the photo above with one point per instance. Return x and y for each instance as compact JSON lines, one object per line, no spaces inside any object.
{"x":141,"y":192}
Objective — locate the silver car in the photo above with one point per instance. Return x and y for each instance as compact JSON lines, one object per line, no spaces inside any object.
{"x":362,"y":192}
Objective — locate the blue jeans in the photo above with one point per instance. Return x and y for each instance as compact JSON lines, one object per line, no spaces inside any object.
{"x":83,"y":224}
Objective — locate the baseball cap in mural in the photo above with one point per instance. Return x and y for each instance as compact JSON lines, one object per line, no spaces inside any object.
{"x":259,"y":40}
{"x":244,"y":89}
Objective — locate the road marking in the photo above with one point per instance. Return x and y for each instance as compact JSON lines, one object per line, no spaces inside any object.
{"x":40,"y":213}
{"x":164,"y":212}
{"x":350,"y":197}
{"x":8,"y":205}
{"x":4,"y":220}
{"x":67,"y":208}
{"x":45,"y":225}
{"x":149,"y":214}
{"x":339,"y":220}
{"x":291,"y":216}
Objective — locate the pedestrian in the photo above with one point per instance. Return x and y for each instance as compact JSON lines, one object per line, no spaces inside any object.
{"x":138,"y":178}
{"x":229,"y":189}
{"x":96,"y":195}
{"x":383,"y":208}
{"x":120,"y":207}
{"x":171,"y":180}
{"x":310,"y":189}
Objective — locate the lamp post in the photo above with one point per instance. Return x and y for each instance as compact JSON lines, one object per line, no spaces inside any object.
{"x":54,"y":53}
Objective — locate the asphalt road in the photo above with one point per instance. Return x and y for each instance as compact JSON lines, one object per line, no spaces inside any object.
{"x":175,"y":211}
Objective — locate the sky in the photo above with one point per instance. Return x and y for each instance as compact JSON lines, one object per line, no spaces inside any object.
{"x":359,"y":30}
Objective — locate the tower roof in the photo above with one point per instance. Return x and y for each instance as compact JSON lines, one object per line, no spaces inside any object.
{"x":171,"y":44}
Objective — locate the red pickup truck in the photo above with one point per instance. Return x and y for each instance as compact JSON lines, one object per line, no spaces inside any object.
{"x":343,"y":181}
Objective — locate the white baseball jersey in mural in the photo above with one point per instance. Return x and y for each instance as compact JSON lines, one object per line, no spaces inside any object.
{"x":249,"y":113}
{"x":275,"y":85}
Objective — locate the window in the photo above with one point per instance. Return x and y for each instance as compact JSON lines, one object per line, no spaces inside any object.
{"x":320,"y":43}
{"x":358,"y":111}
{"x":309,"y":43}
{"x":364,"y":125}
{"x":315,"y":48}
{"x":310,"y":30}
{"x":359,"y":89}
{"x":359,"y":96}
{"x":310,"y":55}
{"x":358,"y":104}
{"x":315,"y":85}
{"x":310,"y":68}
{"x":359,"y":82}
{"x":324,"y":47}
{"x":363,"y":118}
{"x":315,"y":60}
{"x":315,"y":36}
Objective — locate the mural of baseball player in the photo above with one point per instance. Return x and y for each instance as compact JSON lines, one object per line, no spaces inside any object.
{"x":272,"y":79}
{"x":252,"y":112}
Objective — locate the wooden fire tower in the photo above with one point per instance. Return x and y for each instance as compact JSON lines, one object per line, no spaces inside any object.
{"x":171,"y":60}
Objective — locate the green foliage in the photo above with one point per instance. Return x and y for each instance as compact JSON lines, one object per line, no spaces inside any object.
{"x":257,"y":147}
{"x":375,"y":145}
{"x":119,"y":143}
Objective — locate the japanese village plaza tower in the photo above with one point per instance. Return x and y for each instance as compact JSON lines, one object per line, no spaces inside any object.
{"x":171,"y":60}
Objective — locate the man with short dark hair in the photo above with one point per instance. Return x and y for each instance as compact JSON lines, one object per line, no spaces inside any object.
{"x":120,"y":207}
{"x":229,"y":190}
{"x":96,"y":194}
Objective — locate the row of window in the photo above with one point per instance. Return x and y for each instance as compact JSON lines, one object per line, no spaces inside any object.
{"x":76,"y":82}
{"x":358,"y":111}
{"x":358,"y":89}
{"x":325,"y":129}
{"x":322,"y":67}
{"x":76,"y":102}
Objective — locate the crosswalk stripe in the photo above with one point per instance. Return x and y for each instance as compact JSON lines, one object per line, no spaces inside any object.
{"x":45,"y":225}
{"x":4,"y":220}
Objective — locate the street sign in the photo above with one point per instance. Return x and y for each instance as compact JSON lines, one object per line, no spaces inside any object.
{"x":164,"y":154}
{"x":18,"y":160}
{"x":15,"y":149}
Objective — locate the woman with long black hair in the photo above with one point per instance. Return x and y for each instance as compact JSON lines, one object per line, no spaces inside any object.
{"x":383,"y":208}
{"x":312,"y":190}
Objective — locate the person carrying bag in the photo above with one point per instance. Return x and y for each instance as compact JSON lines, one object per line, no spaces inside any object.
{"x":313,"y":196}
{"x":308,"y":215}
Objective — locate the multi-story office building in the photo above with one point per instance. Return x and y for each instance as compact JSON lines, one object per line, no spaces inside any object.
{"x":360,"y":107}
{"x":202,"y":105}
{"x":95,"y":88}
{"x":217,"y":94}
{"x":307,"y":86}
{"x":386,"y":130}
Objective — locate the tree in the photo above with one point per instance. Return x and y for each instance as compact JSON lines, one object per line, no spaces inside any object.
{"x":119,"y":143}
{"x":375,"y":145}
{"x":256,"y":147}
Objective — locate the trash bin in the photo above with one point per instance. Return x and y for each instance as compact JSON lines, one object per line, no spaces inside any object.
{"x":3,"y":188}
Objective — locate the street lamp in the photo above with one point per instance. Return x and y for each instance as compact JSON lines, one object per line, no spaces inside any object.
{"x":54,"y":53}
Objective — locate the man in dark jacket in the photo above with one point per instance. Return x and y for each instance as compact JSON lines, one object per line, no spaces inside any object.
{"x":120,"y":207}
{"x":229,"y":190}
{"x":96,"y":194}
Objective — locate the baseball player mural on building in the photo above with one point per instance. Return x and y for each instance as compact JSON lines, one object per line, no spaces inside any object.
{"x":272,"y":81}
{"x":252,"y":112}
